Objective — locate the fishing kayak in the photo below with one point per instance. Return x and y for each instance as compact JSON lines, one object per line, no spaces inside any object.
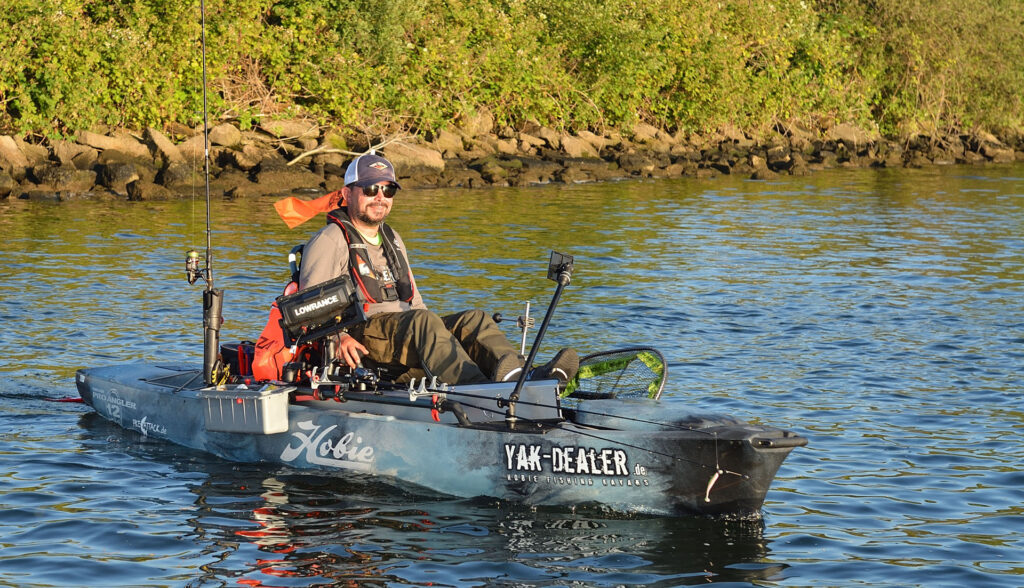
{"x":603,"y":438}
{"x":630,"y":455}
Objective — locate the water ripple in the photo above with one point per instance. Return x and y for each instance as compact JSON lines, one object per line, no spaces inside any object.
{"x":877,"y":312}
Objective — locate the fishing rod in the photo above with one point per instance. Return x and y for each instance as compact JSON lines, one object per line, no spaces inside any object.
{"x":670,"y":426}
{"x":438,"y":402}
{"x":213,"y":299}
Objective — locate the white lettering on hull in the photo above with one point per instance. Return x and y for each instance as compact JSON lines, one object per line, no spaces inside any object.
{"x":146,"y":427}
{"x":344,"y":452}
{"x":577,"y":466}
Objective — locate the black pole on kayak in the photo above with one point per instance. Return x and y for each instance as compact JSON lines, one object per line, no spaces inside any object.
{"x":560,"y":271}
{"x":213,"y":299}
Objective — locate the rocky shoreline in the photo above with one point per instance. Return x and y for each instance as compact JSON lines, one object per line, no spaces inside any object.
{"x":296,"y":157}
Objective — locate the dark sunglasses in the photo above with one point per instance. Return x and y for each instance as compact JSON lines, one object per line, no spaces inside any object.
{"x":389,"y":190}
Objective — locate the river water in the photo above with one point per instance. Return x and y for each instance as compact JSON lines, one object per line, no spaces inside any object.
{"x":878,"y":313}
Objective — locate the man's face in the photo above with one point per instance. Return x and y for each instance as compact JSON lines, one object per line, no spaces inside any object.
{"x":368,"y":209}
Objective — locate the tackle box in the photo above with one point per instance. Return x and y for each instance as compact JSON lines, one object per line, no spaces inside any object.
{"x":240,"y":410}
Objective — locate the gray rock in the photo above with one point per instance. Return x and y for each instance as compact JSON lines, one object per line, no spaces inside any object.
{"x":36,"y":154}
{"x":552,"y":138}
{"x":596,"y":169}
{"x":827,"y":159}
{"x":65,"y":152}
{"x":447,"y":143}
{"x":490,"y":169}
{"x":462,"y":177}
{"x":286,"y":181}
{"x":573,"y":175}
{"x":528,"y":142}
{"x":685,"y":153}
{"x":63,"y":178}
{"x":982,"y":137}
{"x":125,"y":144}
{"x":721,"y":165}
{"x":637,"y":164}
{"x":674,"y":170}
{"x":576,"y":147}
{"x":181,"y":177}
{"x":778,"y":157}
{"x":225,"y":135}
{"x":243,"y":190}
{"x":596,"y":141}
{"x":86,"y":159}
{"x":973,"y":158}
{"x":193,"y":148}
{"x":538,"y":171}
{"x":7,"y":185}
{"x":239,"y":159}
{"x":507,"y":146}
{"x":997,"y":153}
{"x":411,"y":160}
{"x":763,"y":174}
{"x":478,"y":124}
{"x":143,"y":191}
{"x":336,"y":160}
{"x":11,"y":157}
{"x":644,"y":133}
{"x":38,"y":195}
{"x":117,"y":175}
{"x":735,"y":137}
{"x":163,"y":147}
{"x":850,"y":135}
{"x":307,"y":143}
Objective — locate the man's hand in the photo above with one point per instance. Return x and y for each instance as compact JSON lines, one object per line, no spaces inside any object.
{"x":349,"y":350}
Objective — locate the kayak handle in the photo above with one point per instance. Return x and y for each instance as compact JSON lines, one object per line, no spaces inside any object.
{"x":788,"y":442}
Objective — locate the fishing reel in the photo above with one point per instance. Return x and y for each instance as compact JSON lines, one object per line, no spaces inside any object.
{"x":192,"y":270}
{"x":336,"y":379}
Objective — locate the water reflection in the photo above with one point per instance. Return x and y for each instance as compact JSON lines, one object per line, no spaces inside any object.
{"x":339,"y":530}
{"x":269,"y":526}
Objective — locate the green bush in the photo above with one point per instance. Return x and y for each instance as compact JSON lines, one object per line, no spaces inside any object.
{"x":423,"y":65}
{"x":938,"y":66}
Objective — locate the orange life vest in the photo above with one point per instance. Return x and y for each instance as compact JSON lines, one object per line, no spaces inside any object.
{"x":271,"y":353}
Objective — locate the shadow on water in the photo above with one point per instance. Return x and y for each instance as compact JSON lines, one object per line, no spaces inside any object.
{"x":268,"y":526}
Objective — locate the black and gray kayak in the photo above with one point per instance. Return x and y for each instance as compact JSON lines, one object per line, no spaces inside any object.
{"x":605,"y":438}
{"x":629,"y":455}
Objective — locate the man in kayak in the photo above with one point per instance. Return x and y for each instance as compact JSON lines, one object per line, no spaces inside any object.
{"x":400,"y":333}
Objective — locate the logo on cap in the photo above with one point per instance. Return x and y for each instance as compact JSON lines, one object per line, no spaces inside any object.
{"x":379,"y":165}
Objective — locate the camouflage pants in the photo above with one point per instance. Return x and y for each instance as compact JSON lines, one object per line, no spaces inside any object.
{"x":461,"y":348}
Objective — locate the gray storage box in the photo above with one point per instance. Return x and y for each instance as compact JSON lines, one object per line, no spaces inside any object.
{"x":235,"y":410}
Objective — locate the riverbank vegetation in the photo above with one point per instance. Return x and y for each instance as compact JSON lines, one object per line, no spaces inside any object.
{"x":422,"y":65}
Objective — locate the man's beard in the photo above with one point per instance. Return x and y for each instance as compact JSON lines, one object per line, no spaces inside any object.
{"x":364,"y":217}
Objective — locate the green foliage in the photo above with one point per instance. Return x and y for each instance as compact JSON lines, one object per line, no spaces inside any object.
{"x":939,"y":66}
{"x":69,"y":65}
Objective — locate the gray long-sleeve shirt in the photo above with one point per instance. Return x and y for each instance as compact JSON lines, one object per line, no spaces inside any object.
{"x":326,"y":257}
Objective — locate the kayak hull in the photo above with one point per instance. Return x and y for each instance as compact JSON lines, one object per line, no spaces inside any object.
{"x":627,"y":456}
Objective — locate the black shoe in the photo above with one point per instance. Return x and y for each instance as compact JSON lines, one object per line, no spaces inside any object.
{"x":562,"y":367}
{"x":509,"y":367}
